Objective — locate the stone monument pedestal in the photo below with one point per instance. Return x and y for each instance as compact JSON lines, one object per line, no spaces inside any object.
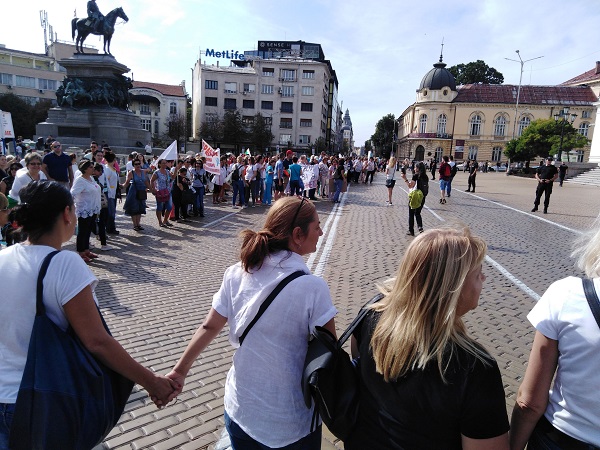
{"x":94,"y":105}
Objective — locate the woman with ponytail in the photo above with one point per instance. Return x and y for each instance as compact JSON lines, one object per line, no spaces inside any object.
{"x":264,"y":407}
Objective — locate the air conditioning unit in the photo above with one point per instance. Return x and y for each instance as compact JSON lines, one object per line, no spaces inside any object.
{"x":41,"y":91}
{"x":280,"y":90}
{"x":9,"y":86}
{"x":245,"y":93}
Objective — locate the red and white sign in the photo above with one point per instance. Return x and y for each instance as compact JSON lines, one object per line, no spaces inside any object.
{"x":213,"y":158}
{"x":6,"y":125}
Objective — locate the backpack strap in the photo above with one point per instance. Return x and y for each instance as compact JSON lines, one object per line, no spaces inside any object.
{"x":263,"y":307}
{"x":592,"y":298}
{"x":358,"y":319}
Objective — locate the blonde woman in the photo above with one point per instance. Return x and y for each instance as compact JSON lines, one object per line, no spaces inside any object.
{"x":390,"y":174}
{"x":425,"y":383}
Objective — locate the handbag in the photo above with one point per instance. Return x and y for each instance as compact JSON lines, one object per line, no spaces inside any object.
{"x":141,"y":195}
{"x":103,"y":200}
{"x":67,"y":399}
{"x":331,"y":381}
{"x":264,"y":305}
{"x":163,"y":195}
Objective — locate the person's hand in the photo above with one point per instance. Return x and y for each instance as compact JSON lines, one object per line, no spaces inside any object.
{"x":163,"y":390}
{"x":178,"y":379}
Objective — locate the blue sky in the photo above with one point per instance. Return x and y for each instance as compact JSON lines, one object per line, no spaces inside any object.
{"x":379,"y":49}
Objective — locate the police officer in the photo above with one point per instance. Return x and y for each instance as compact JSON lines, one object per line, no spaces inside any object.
{"x":545,"y":175}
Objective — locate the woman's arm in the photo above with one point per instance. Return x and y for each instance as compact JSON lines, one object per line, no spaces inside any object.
{"x":210,"y":328}
{"x":3,"y":187}
{"x":82,"y":314}
{"x":127,"y":179}
{"x":532,"y":398}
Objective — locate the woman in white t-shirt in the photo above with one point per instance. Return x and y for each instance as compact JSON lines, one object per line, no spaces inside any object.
{"x":564,"y":414}
{"x":47,"y":215}
{"x":32,"y":171}
{"x":263,"y":398}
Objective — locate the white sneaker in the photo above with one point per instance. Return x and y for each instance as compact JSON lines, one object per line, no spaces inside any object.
{"x":106,"y":248}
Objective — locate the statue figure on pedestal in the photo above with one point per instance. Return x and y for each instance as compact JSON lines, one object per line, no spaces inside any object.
{"x":97,"y":24}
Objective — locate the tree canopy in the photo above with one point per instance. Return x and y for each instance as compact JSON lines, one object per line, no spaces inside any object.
{"x":476,"y":72}
{"x":232,"y":129}
{"x":383,"y":137}
{"x":542,"y":138}
{"x":24,"y":115}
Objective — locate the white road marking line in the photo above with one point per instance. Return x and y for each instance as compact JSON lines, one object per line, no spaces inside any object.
{"x":513,"y":279}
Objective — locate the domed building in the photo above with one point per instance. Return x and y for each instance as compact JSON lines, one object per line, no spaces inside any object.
{"x":475,"y":121}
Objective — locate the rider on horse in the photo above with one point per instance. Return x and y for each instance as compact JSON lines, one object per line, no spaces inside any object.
{"x":95,"y":17}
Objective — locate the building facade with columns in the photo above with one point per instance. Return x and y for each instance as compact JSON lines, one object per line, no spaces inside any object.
{"x":157,"y":105}
{"x":475,"y":121}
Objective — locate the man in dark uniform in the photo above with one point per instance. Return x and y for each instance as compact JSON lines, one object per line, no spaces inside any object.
{"x":562,"y":173}
{"x":545,"y":175}
{"x":95,"y":17}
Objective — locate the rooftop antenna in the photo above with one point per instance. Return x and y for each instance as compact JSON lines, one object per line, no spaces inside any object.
{"x":442,"y":52}
{"x":44,"y":24}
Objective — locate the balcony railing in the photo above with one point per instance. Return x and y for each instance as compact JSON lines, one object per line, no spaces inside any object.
{"x":287,"y":110}
{"x":285,"y":124}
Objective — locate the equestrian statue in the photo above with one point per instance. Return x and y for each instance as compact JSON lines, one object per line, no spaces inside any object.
{"x":96,"y":24}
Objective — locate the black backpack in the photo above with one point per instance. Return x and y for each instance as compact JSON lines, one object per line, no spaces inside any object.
{"x":425,"y":186}
{"x":454,"y":170}
{"x":235,"y":176}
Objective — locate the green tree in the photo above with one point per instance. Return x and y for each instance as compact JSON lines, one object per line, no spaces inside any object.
{"x":176,"y":129}
{"x":476,"y":72}
{"x":234,"y":130}
{"x":542,"y":138}
{"x":24,"y":116}
{"x":383,"y":137}
{"x":211,"y":130}
{"x":320,"y":145}
{"x":260,"y":133}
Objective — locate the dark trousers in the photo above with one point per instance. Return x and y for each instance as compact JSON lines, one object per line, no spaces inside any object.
{"x":180,"y":206}
{"x":84,"y":231}
{"x":415,"y":214}
{"x":101,"y":225}
{"x":370,"y":173}
{"x":295,"y":187}
{"x":112,"y":213}
{"x":471,"y":182}
{"x":543,"y":188}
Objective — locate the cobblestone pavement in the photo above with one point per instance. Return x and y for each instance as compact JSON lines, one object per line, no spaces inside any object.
{"x":155,"y":288}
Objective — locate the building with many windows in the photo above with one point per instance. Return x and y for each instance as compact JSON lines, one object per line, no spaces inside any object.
{"x":475,"y":121}
{"x":35,"y":76}
{"x":348,"y":132}
{"x":289,"y":83}
{"x":158,"y":104}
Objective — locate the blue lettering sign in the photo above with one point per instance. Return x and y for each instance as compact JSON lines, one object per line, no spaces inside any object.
{"x":228,"y":54}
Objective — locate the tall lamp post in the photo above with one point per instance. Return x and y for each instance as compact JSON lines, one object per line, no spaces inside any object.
{"x":564,"y":117}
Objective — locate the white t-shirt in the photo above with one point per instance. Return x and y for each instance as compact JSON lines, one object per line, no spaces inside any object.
{"x":22,"y":180}
{"x":262,"y":393}
{"x":564,"y":315}
{"x":250,"y":172}
{"x":19,"y":265}
{"x":112,"y":179}
{"x":86,"y":195}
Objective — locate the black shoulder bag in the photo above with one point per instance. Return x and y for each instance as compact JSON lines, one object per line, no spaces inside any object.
{"x":331,"y":380}
{"x":67,"y":399}
{"x":592,"y":298}
{"x":263,"y":307}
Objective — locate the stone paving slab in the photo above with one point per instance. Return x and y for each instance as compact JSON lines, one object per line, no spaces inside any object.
{"x":156,"y":287}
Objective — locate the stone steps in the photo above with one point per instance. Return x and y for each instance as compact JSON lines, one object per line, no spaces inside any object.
{"x":590,"y":178}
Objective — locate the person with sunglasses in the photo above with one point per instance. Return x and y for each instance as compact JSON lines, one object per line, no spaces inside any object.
{"x":264,"y":406}
{"x":135,"y":202}
{"x":56,"y":165}
{"x":32,"y":172}
{"x":7,"y":182}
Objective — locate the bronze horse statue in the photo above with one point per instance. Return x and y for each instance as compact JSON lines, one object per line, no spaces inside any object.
{"x":106,"y":28}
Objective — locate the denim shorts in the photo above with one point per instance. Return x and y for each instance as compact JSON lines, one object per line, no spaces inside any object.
{"x":444,"y":184}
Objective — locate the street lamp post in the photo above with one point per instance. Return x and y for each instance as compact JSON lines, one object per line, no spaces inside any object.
{"x":564,"y":116}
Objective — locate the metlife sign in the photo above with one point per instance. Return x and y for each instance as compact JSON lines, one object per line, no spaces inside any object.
{"x":225,"y":54}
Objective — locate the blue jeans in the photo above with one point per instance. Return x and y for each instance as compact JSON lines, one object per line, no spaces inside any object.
{"x":199,"y":200}
{"x":238,"y":189}
{"x":448,"y":187}
{"x":6,"y":414}
{"x":338,"y":183}
{"x":241,"y":441}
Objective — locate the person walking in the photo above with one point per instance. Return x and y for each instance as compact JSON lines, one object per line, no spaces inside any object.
{"x":135,"y":202}
{"x":48,"y":217}
{"x":558,"y":406}
{"x":562,"y":173}
{"x":160,"y":186}
{"x":339,"y":175}
{"x":472,"y":175}
{"x":425,"y":383}
{"x":419,"y":181}
{"x":86,"y":195}
{"x":445,"y":176}
{"x":390,"y":182}
{"x":264,"y":405}
{"x":545,"y":176}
